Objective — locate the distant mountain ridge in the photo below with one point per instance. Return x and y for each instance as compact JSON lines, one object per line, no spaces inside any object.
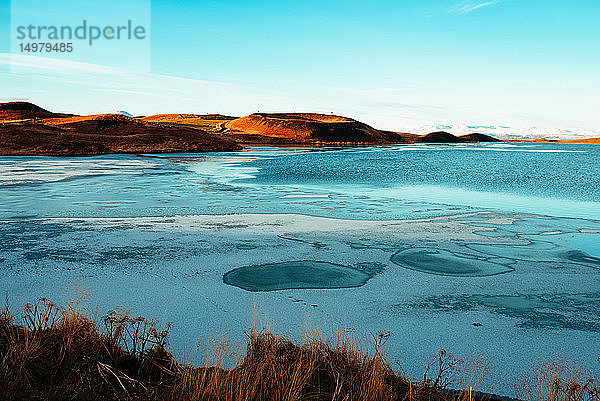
{"x":503,"y":132}
{"x":27,"y":129}
{"x":325,"y":128}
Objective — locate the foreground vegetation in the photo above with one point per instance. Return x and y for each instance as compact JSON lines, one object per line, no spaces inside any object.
{"x":61,"y":353}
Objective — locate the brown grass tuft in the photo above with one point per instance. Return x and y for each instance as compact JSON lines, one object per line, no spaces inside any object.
{"x":58,"y":353}
{"x":559,"y":379}
{"x":61,"y":353}
{"x":275,"y":368}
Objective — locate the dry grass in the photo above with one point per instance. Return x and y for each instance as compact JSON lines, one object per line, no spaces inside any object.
{"x":275,"y":368}
{"x":206,"y":122}
{"x":559,"y":379}
{"x":61,"y":353}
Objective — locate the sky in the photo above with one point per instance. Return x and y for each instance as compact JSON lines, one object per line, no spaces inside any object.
{"x":392,"y":64}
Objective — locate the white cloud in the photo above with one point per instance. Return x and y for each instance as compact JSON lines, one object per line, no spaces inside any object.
{"x":469,"y":6}
{"x":82,"y":88}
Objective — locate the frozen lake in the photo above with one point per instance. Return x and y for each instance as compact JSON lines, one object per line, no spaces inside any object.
{"x":491,"y":248}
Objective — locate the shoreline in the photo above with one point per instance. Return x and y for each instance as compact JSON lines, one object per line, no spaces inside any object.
{"x":296,"y":145}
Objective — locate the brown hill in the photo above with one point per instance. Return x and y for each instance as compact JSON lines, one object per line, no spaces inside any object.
{"x":446,"y":137}
{"x":587,"y":140}
{"x":409,"y":138}
{"x":14,"y":111}
{"x":307,"y":128}
{"x":106,"y":119}
{"x":475,"y":137}
{"x":207,"y":122}
{"x":175,"y":118}
{"x":29,"y":129}
{"x":439,"y":137}
{"x":105,"y":133}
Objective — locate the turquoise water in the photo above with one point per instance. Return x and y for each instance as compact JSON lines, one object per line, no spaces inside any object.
{"x":491,"y":248}
{"x":373,"y":183}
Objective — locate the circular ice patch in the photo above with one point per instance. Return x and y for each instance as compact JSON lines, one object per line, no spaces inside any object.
{"x":303,"y":274}
{"x":445,"y":263}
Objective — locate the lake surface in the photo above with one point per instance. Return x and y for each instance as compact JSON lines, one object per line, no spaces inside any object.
{"x":491,"y":248}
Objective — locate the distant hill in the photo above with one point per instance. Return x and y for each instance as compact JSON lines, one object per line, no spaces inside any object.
{"x":477,"y":138}
{"x":179,"y":117}
{"x":446,"y":137}
{"x":104,"y":133}
{"x":13,"y":111}
{"x":209,"y":122}
{"x":308,"y":128}
{"x":409,"y":138}
{"x":26,"y":128}
{"x":587,"y":140}
{"x":439,"y":137}
{"x":113,"y":120}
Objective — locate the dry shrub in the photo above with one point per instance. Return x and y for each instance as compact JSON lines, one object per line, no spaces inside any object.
{"x":451,"y":378}
{"x":559,"y":379}
{"x":136,"y":335}
{"x":59,"y":354}
{"x":442,"y":369}
{"x":274,"y":368}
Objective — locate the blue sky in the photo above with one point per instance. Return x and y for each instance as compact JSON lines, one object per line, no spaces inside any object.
{"x":393,"y":64}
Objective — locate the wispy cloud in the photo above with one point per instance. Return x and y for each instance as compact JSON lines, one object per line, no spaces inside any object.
{"x":465,"y":7}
